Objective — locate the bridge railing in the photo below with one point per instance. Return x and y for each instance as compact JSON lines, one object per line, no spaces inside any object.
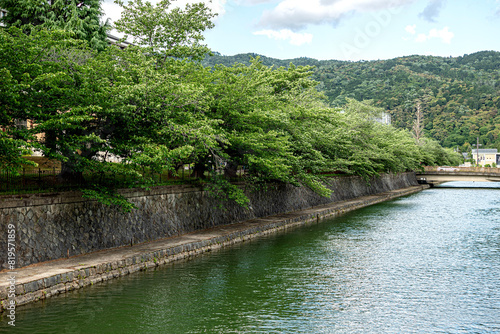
{"x":485,"y":170}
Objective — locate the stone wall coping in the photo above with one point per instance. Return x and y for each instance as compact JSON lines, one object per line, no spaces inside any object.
{"x":66,"y":197}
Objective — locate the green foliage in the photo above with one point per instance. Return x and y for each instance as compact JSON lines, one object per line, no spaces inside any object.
{"x":109,"y":197}
{"x":433,"y":154}
{"x":11,"y":151}
{"x":166,"y":31}
{"x":82,"y":18}
{"x":459,"y":96}
{"x":220,"y":188}
{"x":85,"y":105}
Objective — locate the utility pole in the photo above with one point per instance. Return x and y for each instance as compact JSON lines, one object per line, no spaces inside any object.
{"x":477,"y":151}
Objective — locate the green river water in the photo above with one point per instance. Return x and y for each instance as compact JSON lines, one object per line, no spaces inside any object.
{"x":425,"y":263}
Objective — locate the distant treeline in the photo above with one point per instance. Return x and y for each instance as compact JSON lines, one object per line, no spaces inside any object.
{"x":459,"y":96}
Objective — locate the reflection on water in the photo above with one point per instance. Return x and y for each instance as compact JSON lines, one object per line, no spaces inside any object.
{"x":426,"y":263}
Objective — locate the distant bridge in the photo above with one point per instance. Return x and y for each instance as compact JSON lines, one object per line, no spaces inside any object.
{"x":436,"y":175}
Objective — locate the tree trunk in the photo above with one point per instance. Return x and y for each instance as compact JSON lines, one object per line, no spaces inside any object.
{"x":199,"y":170}
{"x":231,"y":170}
{"x":69,"y":173}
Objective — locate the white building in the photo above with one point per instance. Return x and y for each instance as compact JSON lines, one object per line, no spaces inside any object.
{"x":385,"y":118}
{"x":486,"y":156}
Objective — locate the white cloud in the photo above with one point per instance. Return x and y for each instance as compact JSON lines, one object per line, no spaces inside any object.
{"x":286,"y":34}
{"x":297,"y":14}
{"x":444,"y":34}
{"x":412,"y":29}
{"x":421,"y":38}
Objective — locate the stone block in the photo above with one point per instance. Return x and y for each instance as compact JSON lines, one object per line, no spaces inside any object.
{"x":30,"y":286}
{"x":99,"y":269}
{"x":24,"y":299}
{"x":59,"y":288}
{"x":86,"y":281}
{"x":40,"y":294}
{"x":49,"y":281}
{"x":19,"y":290}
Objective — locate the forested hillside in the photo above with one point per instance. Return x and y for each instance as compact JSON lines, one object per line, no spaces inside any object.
{"x":459,"y":97}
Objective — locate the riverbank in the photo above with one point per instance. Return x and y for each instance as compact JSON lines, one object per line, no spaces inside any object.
{"x":43,"y":280}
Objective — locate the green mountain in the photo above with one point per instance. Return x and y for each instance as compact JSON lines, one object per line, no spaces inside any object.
{"x":459,"y":96}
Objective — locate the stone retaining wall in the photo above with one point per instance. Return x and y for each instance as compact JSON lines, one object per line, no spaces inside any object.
{"x":58,"y":225}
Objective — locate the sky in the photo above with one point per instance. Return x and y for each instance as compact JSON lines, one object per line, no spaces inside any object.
{"x":349,"y":29}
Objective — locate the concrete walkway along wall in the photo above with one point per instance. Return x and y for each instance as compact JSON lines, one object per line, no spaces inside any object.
{"x":53,"y":226}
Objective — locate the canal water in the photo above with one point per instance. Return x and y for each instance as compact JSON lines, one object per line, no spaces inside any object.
{"x":425,"y":263}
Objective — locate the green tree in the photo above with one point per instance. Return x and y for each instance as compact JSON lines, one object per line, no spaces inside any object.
{"x":86,"y":105}
{"x":250,"y":101}
{"x":82,"y":17}
{"x":166,"y":31}
{"x":23,"y":71}
{"x":371,"y":148}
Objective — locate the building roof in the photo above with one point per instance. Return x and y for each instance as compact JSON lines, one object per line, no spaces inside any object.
{"x":485,"y":151}
{"x":117,"y":41}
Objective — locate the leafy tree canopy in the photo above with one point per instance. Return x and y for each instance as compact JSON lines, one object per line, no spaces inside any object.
{"x":169,"y":32}
{"x":459,"y":97}
{"x":82,"y":17}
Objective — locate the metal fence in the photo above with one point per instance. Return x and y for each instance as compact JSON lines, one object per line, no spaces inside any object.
{"x":31,"y":179}
{"x":48,"y":178}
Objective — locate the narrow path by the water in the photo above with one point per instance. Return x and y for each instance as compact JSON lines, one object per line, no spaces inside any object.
{"x":40,"y":281}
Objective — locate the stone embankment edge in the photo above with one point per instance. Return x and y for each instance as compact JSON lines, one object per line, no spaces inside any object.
{"x":38,"y":287}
